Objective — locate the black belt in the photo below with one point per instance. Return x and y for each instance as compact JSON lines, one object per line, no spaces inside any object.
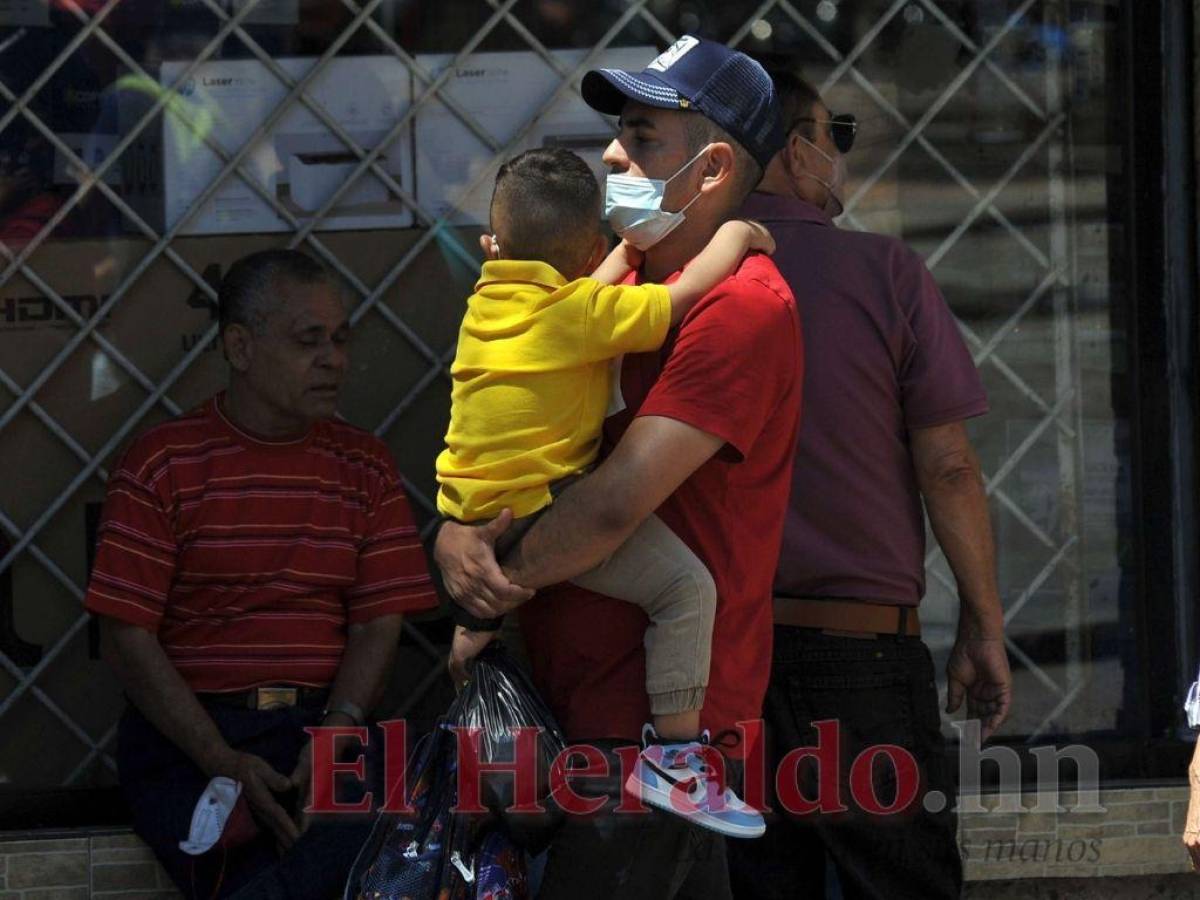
{"x":272,"y":696}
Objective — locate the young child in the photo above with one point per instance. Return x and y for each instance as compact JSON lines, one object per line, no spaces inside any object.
{"x":531,"y":387}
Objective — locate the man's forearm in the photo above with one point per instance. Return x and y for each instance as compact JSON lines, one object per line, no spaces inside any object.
{"x":579,"y":531}
{"x":156,"y":688}
{"x":366,"y":662}
{"x":593,"y":517}
{"x":958,"y":512}
{"x":583,"y":526}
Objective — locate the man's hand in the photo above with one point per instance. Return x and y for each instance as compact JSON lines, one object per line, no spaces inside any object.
{"x":301,"y":777}
{"x":260,"y":782}
{"x":466,"y":554}
{"x":301,"y":781}
{"x":951,"y":484}
{"x":465,"y":647}
{"x":978,"y":669}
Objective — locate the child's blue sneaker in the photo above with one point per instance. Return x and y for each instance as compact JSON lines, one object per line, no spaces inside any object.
{"x":678,"y":779}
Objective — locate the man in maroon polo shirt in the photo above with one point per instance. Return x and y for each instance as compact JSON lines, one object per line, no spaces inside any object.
{"x":891,"y":383}
{"x":705,"y":438}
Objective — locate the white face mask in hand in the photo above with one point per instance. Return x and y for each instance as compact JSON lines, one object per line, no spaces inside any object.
{"x":221,"y":818}
{"x":633,"y":206}
{"x":833,"y":188}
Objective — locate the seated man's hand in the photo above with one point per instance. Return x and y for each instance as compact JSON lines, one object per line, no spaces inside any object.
{"x":466,"y":646}
{"x":260,"y":783}
{"x":301,"y":782}
{"x":301,"y":779}
{"x":466,"y":554}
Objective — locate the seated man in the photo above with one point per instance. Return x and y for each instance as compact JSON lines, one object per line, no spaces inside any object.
{"x":254,"y":561}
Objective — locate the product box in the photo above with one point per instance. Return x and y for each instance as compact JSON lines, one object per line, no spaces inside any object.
{"x":161,"y":318}
{"x":503,"y":92}
{"x":71,"y":104}
{"x":83,"y":117}
{"x":164,"y":315}
{"x":265,"y":12}
{"x":301,"y":162}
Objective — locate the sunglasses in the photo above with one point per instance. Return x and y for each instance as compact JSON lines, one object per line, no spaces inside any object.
{"x":842,"y":129}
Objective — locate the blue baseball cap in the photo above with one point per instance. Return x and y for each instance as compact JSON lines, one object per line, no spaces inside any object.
{"x":707,"y":77}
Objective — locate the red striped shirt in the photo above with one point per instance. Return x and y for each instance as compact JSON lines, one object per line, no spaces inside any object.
{"x":250,"y":558}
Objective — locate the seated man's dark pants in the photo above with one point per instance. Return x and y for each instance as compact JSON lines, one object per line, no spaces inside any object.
{"x":881,"y":691}
{"x":651,"y":855}
{"x":161,"y":786}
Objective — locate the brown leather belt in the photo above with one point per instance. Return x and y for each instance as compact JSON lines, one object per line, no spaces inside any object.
{"x":856,"y":616}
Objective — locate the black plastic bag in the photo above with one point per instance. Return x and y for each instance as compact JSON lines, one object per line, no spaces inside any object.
{"x":498,"y":700}
{"x":432,"y":853}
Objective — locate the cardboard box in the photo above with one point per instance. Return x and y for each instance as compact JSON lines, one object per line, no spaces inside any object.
{"x":37,"y":175}
{"x":265,"y":12}
{"x":502,"y":92}
{"x":83,"y":118}
{"x":161,"y":318}
{"x":301,"y":162}
{"x":164,"y":315}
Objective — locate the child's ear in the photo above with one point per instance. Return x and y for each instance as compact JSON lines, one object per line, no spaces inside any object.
{"x":490,"y":246}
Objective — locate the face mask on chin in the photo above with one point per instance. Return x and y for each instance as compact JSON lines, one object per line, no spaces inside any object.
{"x":633,"y":207}
{"x":837,"y":183}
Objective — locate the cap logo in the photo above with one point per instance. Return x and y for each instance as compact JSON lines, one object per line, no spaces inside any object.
{"x":672,"y":54}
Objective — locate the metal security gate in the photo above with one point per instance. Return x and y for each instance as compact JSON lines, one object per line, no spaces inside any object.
{"x":1056,"y":412}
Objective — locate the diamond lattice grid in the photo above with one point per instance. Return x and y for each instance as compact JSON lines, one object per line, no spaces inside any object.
{"x":1007,"y":98}
{"x":389,"y":324}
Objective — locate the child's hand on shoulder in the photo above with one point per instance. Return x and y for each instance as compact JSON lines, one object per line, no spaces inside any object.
{"x":633,"y":256}
{"x":750,"y":234}
{"x":760,"y":238}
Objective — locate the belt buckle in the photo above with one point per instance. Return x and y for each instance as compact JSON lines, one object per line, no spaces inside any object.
{"x":275,"y":697}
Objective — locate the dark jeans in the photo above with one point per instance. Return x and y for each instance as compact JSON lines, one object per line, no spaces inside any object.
{"x":652,"y":855}
{"x":880,"y":691}
{"x":161,"y":786}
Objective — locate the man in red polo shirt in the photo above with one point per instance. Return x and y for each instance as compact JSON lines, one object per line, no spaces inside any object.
{"x":254,"y":561}
{"x":704,"y":437}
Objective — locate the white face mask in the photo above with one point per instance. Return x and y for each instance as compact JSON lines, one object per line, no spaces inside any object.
{"x":834,"y":187}
{"x":633,"y":206}
{"x":211,"y":814}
